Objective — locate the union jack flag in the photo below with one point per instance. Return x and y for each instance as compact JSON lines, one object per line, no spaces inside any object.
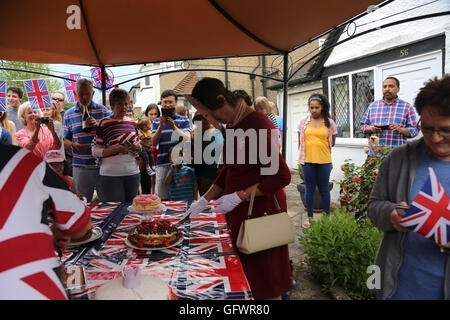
{"x":37,"y":94}
{"x":429,"y":214}
{"x":70,"y":85}
{"x":2,"y":95}
{"x":96,"y":74}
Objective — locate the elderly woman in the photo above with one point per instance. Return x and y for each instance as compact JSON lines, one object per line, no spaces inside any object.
{"x":36,"y":136}
{"x":117,"y":144}
{"x":268,"y":271}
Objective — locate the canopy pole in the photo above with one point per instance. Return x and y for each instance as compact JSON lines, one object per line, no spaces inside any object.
{"x":285,"y":102}
{"x":103,"y":69}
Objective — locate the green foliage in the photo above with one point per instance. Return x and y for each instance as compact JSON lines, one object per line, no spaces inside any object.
{"x":356,"y":186}
{"x":339,"y":249}
{"x":300,"y":172}
{"x":15,"y":78}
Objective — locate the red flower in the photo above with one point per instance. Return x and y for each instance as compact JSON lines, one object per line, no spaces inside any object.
{"x":357,"y":179}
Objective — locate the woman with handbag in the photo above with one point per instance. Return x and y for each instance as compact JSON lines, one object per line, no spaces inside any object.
{"x":267,"y":271}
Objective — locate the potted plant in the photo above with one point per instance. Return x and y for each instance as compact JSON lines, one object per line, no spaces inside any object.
{"x":318,"y":207}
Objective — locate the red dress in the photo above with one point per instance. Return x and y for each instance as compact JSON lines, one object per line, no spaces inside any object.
{"x":268,"y":272}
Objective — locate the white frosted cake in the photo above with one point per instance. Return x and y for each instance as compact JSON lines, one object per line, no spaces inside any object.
{"x":148,"y":288}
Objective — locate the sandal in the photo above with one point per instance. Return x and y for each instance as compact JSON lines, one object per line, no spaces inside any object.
{"x":306,"y":225}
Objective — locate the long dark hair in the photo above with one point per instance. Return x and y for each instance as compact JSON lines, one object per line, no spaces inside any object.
{"x":323,"y":101}
{"x":152,"y":106}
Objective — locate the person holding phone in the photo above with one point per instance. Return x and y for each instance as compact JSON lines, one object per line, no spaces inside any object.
{"x":167,"y":131}
{"x":391,"y":119}
{"x":410,"y":265}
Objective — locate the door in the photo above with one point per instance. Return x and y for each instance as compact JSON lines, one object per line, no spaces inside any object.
{"x":412,"y":74}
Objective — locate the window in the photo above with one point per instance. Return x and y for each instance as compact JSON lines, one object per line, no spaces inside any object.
{"x":147,"y":81}
{"x":350,"y":95}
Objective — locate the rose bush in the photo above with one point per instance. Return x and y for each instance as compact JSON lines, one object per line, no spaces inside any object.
{"x":358,"y":181}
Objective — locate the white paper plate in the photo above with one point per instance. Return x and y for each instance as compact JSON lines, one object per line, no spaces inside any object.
{"x":96,"y":234}
{"x":162,"y":208}
{"x":128,"y":243}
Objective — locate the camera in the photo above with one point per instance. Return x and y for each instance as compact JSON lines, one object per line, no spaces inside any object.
{"x":44,"y":120}
{"x":168,"y":112}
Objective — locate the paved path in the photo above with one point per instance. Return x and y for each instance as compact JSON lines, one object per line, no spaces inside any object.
{"x":308,"y":288}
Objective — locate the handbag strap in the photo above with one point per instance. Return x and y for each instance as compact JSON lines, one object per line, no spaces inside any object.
{"x":252,"y":200}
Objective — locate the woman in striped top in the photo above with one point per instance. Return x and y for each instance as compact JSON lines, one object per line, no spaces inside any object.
{"x":117,"y":145}
{"x":262,"y":105}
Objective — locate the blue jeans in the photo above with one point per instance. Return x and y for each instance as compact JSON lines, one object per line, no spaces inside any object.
{"x":121,"y":188}
{"x":317,"y":175}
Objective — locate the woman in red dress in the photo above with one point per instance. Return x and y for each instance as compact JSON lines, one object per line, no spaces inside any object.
{"x":268,"y":272}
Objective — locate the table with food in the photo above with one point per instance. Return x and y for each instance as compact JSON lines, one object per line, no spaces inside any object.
{"x":150,"y":249}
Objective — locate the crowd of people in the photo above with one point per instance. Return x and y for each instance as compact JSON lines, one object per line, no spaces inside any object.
{"x":94,"y":150}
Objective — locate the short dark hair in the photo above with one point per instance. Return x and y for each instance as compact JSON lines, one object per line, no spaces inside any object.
{"x":118,"y":95}
{"x":435,"y":94}
{"x":395,"y":79}
{"x":241,"y":93}
{"x":207,"y":90}
{"x":16,"y":90}
{"x":168,"y":93}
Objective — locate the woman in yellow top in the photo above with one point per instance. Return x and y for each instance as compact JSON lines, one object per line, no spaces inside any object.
{"x":316,"y":135}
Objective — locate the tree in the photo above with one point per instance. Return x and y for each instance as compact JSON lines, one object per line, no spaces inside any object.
{"x":15,"y":78}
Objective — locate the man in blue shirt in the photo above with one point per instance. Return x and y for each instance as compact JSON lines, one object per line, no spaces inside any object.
{"x":85,"y":166}
{"x":167,"y":130}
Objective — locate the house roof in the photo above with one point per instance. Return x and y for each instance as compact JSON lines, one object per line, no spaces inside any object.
{"x":311,"y":69}
{"x":117,"y":32}
{"x":186,"y":84}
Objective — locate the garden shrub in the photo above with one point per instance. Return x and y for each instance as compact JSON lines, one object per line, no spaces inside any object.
{"x":339,"y":249}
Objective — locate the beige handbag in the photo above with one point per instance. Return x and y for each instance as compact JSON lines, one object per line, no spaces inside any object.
{"x":266,"y":232}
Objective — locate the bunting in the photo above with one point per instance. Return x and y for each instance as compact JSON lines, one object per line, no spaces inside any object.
{"x":37,"y":94}
{"x":2,"y":95}
{"x":70,"y":85}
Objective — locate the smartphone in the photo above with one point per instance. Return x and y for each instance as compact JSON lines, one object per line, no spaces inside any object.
{"x":384,"y":127}
{"x":168,"y":112}
{"x":398,"y":206}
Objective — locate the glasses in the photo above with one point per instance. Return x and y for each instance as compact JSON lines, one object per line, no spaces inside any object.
{"x":58,"y":99}
{"x":443,"y":132}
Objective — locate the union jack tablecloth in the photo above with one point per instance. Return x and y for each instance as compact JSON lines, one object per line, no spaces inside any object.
{"x":204,"y":265}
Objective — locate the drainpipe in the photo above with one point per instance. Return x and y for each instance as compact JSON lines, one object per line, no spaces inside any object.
{"x":264,"y":80}
{"x":225,"y":61}
{"x":252,"y":78}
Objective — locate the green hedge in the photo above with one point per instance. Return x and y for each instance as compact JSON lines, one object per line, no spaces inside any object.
{"x":339,"y":249}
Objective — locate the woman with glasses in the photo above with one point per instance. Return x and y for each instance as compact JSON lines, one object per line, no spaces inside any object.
{"x":8,"y":125}
{"x":414,"y":262}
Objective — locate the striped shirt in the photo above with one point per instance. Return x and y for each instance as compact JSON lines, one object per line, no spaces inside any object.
{"x":168,"y":139}
{"x":111,"y":132}
{"x":28,"y":188}
{"x":400,"y":112}
{"x":182,"y":185}
{"x":73,"y":132}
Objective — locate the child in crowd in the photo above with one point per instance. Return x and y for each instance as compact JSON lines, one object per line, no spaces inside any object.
{"x":145,"y":135}
{"x":181,"y":180}
{"x":55,"y":160}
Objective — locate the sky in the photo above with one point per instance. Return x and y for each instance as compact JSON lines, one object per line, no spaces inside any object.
{"x":120,"y":74}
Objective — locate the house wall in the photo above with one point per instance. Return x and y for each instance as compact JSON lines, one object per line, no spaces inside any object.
{"x":376,"y":50}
